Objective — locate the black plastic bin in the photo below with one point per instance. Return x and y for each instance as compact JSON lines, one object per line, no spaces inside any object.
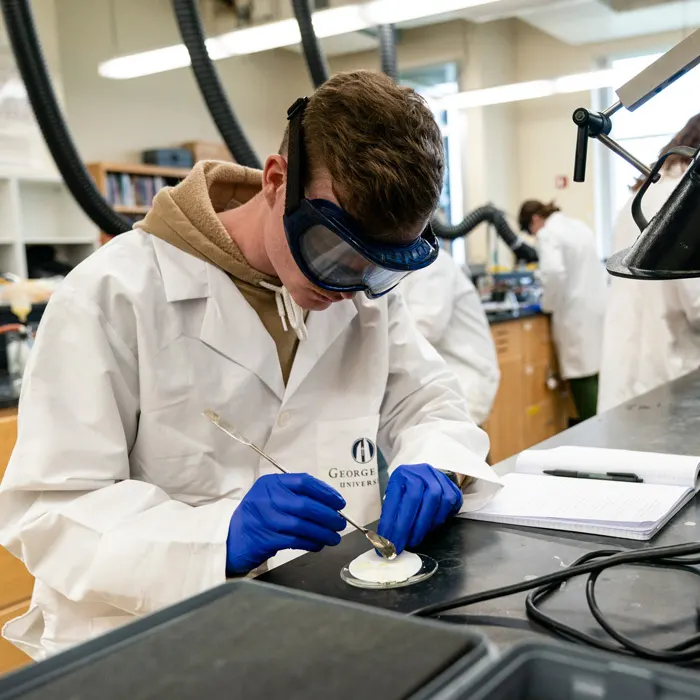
{"x":559,"y":671}
{"x":253,"y":640}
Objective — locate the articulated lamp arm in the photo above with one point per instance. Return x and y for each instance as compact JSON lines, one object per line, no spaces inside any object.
{"x":669,"y":246}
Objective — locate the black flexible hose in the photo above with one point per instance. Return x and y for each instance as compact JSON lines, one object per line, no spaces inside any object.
{"x":315,"y":60}
{"x":387,"y":50}
{"x":492,"y":215}
{"x":30,"y":61}
{"x":192,"y":33}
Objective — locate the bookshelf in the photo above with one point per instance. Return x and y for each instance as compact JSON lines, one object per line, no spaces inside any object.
{"x":130,"y":187}
{"x":36,"y":208}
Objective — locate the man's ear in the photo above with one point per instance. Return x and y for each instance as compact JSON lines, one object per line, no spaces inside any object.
{"x":274,"y":179}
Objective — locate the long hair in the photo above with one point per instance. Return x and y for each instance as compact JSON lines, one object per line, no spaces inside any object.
{"x":533,"y":207}
{"x":689,"y":135}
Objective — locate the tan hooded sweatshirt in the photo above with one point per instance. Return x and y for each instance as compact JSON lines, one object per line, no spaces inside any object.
{"x":186,"y":216}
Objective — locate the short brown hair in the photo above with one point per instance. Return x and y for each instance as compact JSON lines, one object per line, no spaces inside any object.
{"x":382,"y":147}
{"x":534,"y":207}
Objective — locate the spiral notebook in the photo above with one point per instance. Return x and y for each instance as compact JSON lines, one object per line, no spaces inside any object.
{"x":635,"y":511}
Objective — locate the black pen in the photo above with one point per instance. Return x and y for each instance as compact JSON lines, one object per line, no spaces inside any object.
{"x":608,"y":476}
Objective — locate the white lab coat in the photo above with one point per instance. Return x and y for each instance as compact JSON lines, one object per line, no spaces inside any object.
{"x":119,"y":493}
{"x":652,"y":328}
{"x":448,"y":312}
{"x":574,"y":289}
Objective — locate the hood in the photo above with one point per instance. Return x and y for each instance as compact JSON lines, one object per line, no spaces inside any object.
{"x":186,"y":215}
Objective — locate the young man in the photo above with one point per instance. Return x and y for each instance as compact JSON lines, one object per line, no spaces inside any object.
{"x":238,"y":294}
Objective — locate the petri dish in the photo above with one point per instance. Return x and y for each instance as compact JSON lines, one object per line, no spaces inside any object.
{"x":428,"y":567}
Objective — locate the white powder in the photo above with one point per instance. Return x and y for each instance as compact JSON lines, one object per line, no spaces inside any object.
{"x":372,"y":568}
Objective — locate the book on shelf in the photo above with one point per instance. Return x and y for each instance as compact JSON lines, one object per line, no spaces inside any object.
{"x":126,"y":190}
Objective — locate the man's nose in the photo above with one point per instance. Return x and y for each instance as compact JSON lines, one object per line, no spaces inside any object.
{"x":347,"y":295}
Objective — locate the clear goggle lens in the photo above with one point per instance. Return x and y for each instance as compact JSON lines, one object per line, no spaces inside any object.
{"x":336,"y":263}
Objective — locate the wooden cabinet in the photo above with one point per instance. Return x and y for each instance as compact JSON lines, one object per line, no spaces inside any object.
{"x":11,"y":658}
{"x":531,"y":404}
{"x":8,"y":436}
{"x":506,"y":424}
{"x":15,"y":581}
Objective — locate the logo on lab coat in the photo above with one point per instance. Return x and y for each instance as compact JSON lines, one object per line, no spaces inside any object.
{"x":363,"y":450}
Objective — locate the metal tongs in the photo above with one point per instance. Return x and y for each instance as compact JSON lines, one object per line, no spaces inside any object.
{"x":381,"y":544}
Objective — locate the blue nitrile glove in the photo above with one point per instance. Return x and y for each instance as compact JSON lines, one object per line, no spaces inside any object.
{"x":418,"y":499}
{"x":282,"y":511}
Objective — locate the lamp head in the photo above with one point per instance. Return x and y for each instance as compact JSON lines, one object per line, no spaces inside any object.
{"x":668,"y":246}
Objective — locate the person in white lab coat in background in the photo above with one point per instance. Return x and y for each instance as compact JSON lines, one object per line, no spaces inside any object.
{"x":652,"y":328}
{"x":574,"y":290}
{"x":240,"y":295}
{"x":447,"y":310}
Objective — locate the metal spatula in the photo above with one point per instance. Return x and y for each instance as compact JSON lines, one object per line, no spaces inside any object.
{"x":381,"y":544}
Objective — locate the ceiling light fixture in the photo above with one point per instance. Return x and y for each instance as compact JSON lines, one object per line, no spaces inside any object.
{"x":534,"y":89}
{"x":275,"y":35}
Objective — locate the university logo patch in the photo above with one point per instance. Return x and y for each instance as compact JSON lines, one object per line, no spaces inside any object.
{"x":363,"y":450}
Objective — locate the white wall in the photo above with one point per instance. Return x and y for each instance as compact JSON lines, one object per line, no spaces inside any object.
{"x":45,"y":18}
{"x":21,"y":144}
{"x":117,"y":119}
{"x":429,"y":45}
{"x":546,"y":134}
{"x":490,"y":175}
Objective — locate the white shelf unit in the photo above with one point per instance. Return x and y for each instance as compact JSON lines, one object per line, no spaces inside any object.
{"x":38,"y":209}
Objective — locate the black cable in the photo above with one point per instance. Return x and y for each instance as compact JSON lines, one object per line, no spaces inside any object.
{"x":684,"y":557}
{"x":315,"y":60}
{"x":192,"y":33}
{"x":387,"y":50}
{"x":674,"y":654}
{"x":32,"y":67}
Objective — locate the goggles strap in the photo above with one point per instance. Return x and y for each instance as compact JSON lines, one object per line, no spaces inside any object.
{"x":296,"y":156}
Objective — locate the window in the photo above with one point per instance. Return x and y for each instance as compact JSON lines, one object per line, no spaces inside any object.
{"x":434,"y":82}
{"x":647,"y":130}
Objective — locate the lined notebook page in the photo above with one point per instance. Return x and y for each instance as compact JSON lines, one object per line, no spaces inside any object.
{"x":653,"y":467}
{"x":582,"y":500}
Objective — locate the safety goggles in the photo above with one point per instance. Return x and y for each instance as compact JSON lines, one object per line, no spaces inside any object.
{"x":330,"y":247}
